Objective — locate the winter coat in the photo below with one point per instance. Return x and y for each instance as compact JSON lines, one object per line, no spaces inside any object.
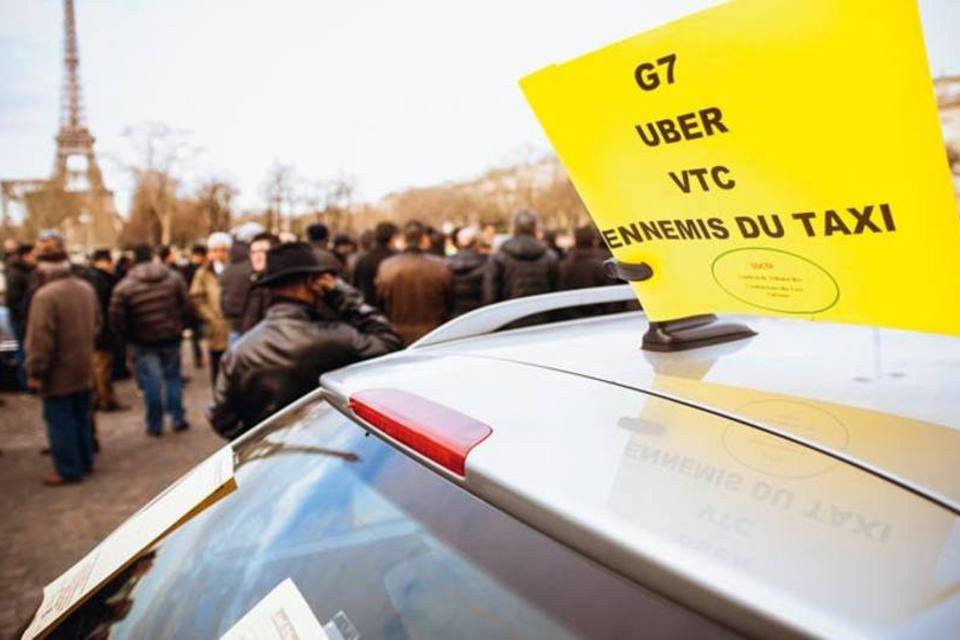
{"x":255,"y":307}
{"x":235,"y":284}
{"x":523,"y":266}
{"x":468,"y":268}
{"x":64,"y":320}
{"x":149,"y":305}
{"x":189,"y":271}
{"x":365,"y":272}
{"x":35,"y":279}
{"x":582,"y":268}
{"x":206,"y":296}
{"x":283,"y":357}
{"x":103,"y":283}
{"x":17,"y":273}
{"x":416,"y":293}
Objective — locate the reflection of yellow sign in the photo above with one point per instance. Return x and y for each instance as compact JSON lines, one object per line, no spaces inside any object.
{"x":921,"y":454}
{"x":768,"y":157}
{"x":824,"y":535}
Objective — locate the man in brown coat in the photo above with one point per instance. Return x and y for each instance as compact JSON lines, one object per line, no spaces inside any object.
{"x":63,"y":322}
{"x":415,"y":288}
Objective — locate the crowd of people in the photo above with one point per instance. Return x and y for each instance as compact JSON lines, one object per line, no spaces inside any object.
{"x":266,"y":314}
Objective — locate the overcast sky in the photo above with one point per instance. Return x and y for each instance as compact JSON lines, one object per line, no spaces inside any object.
{"x":396,"y":94}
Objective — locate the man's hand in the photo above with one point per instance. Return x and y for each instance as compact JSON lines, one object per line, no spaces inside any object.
{"x":326,"y":282}
{"x":33,"y":385}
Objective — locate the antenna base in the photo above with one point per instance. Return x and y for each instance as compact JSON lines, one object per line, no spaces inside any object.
{"x":693,"y":332}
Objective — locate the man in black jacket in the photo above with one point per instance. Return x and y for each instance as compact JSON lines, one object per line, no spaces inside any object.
{"x":235,"y":286}
{"x":283,"y":356}
{"x":468,"y":266}
{"x":365,"y":271}
{"x":582,"y":267}
{"x":100,"y":276}
{"x":18,"y":271}
{"x":148,"y":307}
{"x":523,"y":266}
{"x":20,"y":264}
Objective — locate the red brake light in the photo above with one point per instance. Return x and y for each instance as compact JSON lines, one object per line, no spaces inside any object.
{"x":438,"y":432}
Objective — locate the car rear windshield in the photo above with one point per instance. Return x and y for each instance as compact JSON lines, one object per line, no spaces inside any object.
{"x":379,"y":546}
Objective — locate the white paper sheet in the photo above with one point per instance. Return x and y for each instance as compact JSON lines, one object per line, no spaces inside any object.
{"x":198,"y":489}
{"x":283,"y":614}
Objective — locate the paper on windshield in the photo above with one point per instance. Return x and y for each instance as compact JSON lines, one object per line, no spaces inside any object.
{"x":283,"y":614}
{"x":194,"y":492}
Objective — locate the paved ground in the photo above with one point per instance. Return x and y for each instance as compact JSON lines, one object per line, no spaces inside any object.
{"x":43,"y":530}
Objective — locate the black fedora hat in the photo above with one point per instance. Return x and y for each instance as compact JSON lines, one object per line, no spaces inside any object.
{"x":296,"y":258}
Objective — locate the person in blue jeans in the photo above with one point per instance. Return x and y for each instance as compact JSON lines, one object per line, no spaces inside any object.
{"x":149,"y":307}
{"x":64,"y":318}
{"x":157,"y":369}
{"x":70,"y":433}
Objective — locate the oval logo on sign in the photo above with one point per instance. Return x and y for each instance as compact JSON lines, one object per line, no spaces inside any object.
{"x":775,"y":280}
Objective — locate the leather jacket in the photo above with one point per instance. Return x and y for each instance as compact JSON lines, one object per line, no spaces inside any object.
{"x":416,"y":290}
{"x":283,"y":356}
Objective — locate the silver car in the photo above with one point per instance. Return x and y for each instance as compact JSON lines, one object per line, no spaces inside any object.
{"x":558,"y":481}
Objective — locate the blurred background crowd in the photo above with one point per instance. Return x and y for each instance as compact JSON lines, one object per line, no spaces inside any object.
{"x":74,"y":323}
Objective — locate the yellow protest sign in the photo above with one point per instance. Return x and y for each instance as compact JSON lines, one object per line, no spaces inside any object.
{"x":780,"y":157}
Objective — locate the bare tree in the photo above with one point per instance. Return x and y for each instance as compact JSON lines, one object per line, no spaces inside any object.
{"x":214,"y":200}
{"x":280,"y":192}
{"x":338,"y":198}
{"x":158,"y":155}
{"x":537,"y":183}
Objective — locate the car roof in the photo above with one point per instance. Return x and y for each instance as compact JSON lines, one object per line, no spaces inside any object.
{"x":778,"y":480}
{"x":881,"y":398}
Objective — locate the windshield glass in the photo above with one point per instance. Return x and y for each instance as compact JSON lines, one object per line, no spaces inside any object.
{"x":378,"y":545}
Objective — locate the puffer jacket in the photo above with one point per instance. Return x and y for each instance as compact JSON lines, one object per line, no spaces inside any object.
{"x":468,"y":268}
{"x":522,"y":267}
{"x":149,"y":305}
{"x":283,"y":356}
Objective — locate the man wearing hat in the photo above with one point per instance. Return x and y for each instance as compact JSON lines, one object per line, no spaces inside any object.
{"x":283,"y":356}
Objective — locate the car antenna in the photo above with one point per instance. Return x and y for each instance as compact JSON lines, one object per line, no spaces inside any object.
{"x":679,"y":334}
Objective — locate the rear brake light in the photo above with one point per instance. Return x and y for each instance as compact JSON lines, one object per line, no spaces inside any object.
{"x":438,"y":432}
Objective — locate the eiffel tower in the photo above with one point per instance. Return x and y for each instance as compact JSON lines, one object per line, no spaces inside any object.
{"x":90,"y":216}
{"x":75,"y":199}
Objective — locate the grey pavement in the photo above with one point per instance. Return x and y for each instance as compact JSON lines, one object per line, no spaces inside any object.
{"x":45,"y":530}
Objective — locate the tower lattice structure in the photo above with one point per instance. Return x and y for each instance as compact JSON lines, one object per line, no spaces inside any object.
{"x":91,"y":215}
